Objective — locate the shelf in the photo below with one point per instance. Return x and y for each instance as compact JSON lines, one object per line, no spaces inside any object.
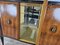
{"x":27,"y":41}
{"x":28,"y":32}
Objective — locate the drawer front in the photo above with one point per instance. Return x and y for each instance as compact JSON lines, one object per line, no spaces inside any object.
{"x":50,"y":34}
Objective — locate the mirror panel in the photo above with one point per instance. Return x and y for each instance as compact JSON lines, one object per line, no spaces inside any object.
{"x":29,"y":18}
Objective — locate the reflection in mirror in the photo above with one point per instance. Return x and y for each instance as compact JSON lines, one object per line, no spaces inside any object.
{"x":56,"y":14}
{"x":29,"y":17}
{"x":11,"y":9}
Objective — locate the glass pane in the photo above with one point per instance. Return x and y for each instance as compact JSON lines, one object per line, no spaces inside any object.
{"x":11,"y":9}
{"x":56,"y":14}
{"x":29,"y":17}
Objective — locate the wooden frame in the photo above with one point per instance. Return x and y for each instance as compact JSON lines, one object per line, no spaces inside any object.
{"x":42,"y":17}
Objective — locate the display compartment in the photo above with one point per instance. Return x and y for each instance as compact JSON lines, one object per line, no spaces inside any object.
{"x":9,"y":15}
{"x":29,"y":21}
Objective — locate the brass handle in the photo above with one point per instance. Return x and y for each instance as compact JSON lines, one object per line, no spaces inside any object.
{"x":9,"y":21}
{"x":53,"y":29}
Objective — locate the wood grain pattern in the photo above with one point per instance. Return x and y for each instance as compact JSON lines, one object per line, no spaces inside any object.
{"x":12,"y":29}
{"x":48,"y":37}
{"x":42,"y":17}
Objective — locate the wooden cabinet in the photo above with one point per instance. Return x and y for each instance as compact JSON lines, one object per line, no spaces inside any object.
{"x":31,"y":22}
{"x":9,"y":19}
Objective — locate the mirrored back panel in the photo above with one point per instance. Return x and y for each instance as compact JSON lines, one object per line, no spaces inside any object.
{"x":29,"y":21}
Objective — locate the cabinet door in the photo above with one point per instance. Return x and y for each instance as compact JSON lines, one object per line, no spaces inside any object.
{"x":50,"y":34}
{"x":10,"y":19}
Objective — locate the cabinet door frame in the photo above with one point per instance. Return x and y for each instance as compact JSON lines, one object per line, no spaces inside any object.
{"x":42,"y":17}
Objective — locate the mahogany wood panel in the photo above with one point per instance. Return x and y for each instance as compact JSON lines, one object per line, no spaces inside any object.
{"x":48,"y":37}
{"x":10,"y":24}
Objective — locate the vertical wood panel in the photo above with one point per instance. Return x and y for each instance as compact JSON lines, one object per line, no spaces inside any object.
{"x":42,"y":17}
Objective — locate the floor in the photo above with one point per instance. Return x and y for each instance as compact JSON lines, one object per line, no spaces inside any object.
{"x":9,"y":41}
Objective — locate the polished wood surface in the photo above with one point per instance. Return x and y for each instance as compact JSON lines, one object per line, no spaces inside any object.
{"x":49,"y":37}
{"x":10,"y":29}
{"x":42,"y":17}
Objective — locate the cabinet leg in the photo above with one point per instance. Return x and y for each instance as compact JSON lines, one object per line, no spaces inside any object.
{"x":2,"y":37}
{"x":2,"y":40}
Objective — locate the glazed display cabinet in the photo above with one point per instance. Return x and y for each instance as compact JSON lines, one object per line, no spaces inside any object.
{"x":20,"y":20}
{"x":33,"y":23}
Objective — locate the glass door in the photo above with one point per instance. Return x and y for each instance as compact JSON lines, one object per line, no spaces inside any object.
{"x":29,"y":20}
